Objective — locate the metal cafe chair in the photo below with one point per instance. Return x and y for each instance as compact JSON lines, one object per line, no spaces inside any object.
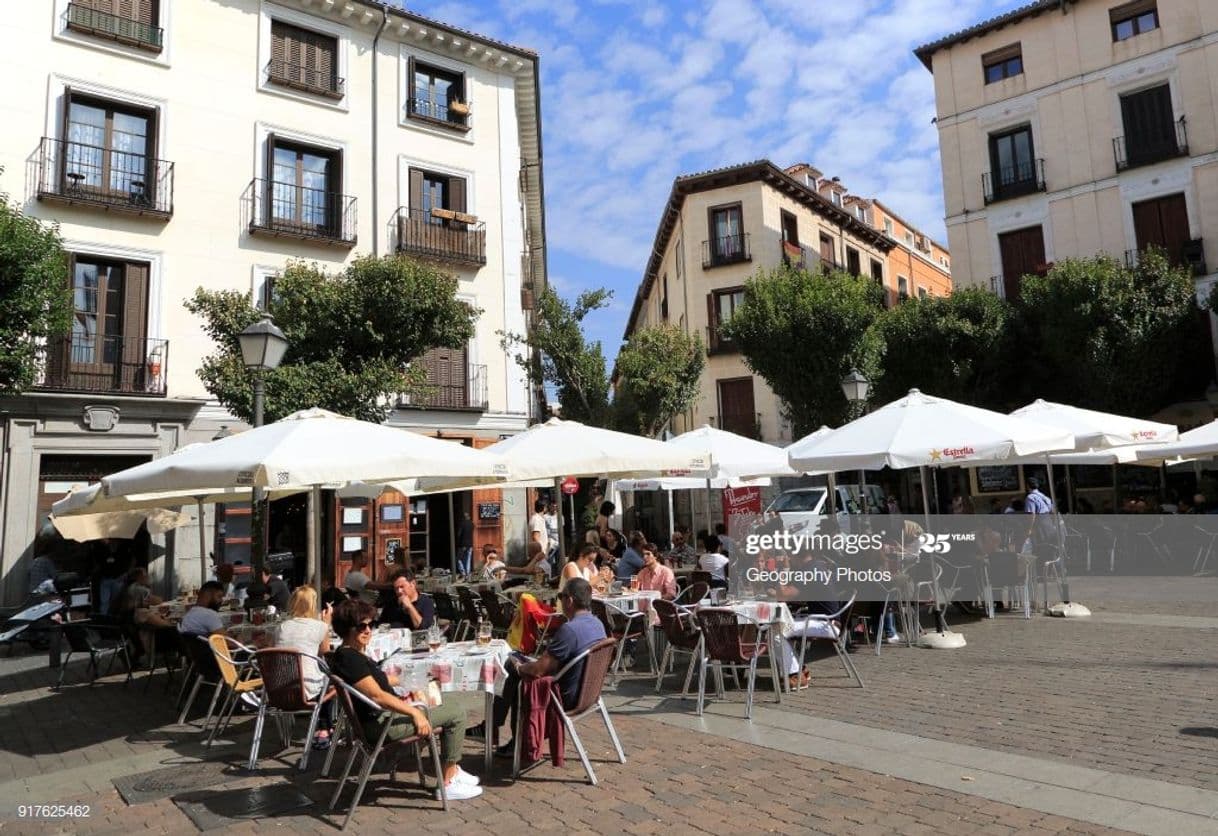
{"x":98,"y":641}
{"x":735,"y":640}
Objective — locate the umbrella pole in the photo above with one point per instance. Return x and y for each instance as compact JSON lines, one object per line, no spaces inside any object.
{"x":202,"y":549}
{"x":562,"y":529}
{"x":710,"y":529}
{"x":1069,"y":491}
{"x":452,"y":537}
{"x":832,"y":494}
{"x":672,"y":521}
{"x":925,"y":497}
{"x":311,"y":531}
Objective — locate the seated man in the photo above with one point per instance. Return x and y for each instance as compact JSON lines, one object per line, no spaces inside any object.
{"x":277,"y":592}
{"x":356,"y":580}
{"x":203,"y":618}
{"x":581,"y":632}
{"x":409,"y":608}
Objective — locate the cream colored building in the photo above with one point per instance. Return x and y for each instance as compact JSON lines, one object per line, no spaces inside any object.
{"x":204,"y":144}
{"x":1073,"y":127}
{"x":716,"y":231}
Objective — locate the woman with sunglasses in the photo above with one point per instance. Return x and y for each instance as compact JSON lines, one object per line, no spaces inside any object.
{"x":353,"y":621}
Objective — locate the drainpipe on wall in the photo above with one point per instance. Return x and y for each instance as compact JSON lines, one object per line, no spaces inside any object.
{"x":376,"y":227}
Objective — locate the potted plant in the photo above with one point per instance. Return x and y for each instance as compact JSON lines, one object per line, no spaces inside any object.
{"x":458,"y":107}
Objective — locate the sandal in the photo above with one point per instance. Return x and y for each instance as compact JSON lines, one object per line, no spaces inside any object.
{"x":321,"y":741}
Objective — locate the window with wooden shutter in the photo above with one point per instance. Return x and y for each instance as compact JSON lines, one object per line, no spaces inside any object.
{"x":1162,"y":223}
{"x":304,"y":60}
{"x":1023,"y":252}
{"x":437,"y":95}
{"x":447,"y":379}
{"x":1151,"y":130}
{"x":131,"y":22}
{"x":737,"y":409}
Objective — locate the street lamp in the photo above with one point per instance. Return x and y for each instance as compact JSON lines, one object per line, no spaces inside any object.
{"x":262,"y":348}
{"x":223,"y":432}
{"x":855,"y":386}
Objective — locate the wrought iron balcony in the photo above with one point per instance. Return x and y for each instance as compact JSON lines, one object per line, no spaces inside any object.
{"x":460,"y":238}
{"x":125,"y":30}
{"x":468,"y":394}
{"x":1133,"y":150}
{"x":289,"y":210}
{"x":726,"y":249}
{"x":447,"y":114}
{"x":300,"y":77}
{"x":716,"y":343}
{"x":1014,"y":181}
{"x":120,"y":181}
{"x":113,"y":365}
{"x":793,"y":255}
{"x":1191,"y":255}
{"x":997,"y":287}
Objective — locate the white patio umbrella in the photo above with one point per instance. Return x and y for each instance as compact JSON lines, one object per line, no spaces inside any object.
{"x":688,"y":483}
{"x":1094,"y":430}
{"x":118,"y":524}
{"x":1199,"y":443}
{"x":920,"y":431}
{"x":310,"y":449}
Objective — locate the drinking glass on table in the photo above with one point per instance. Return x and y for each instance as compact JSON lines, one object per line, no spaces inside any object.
{"x":484,"y":634}
{"x":634,"y":584}
{"x":434,"y":638}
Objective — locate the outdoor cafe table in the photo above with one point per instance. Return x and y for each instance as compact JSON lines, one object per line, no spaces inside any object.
{"x":457,"y":667}
{"x":541,"y":593}
{"x":774,"y":613}
{"x":632,"y":601}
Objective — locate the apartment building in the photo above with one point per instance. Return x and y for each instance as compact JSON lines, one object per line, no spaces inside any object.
{"x":206,"y":144}
{"x":719,"y":228}
{"x":1073,"y":127}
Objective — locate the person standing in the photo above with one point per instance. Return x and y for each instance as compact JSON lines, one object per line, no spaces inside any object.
{"x":1040,"y":507}
{"x":551,"y":516}
{"x":465,"y":544}
{"x":537,"y":526}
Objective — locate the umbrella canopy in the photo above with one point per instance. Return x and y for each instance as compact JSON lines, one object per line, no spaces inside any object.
{"x":689,"y":483}
{"x":735,"y":456}
{"x":119,"y":524}
{"x":1200,"y":443}
{"x":307,"y":448}
{"x":920,"y":430}
{"x":568,"y":448}
{"x":1097,"y":430}
{"x":93,"y":500}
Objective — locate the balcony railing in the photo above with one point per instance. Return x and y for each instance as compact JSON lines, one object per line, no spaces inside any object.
{"x":449,"y":114}
{"x":716,"y":343}
{"x":727,"y":249}
{"x":122,"y":181}
{"x":1014,"y":181}
{"x":1191,"y":255}
{"x":300,"y":77}
{"x":793,"y":255}
{"x":467,"y":394}
{"x":113,"y":27}
{"x":288,"y":210}
{"x":460,"y":239}
{"x":1133,"y":151}
{"x":114,"y":365}
{"x":997,"y":287}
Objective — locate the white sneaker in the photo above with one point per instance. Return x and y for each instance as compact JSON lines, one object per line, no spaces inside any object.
{"x":457,"y":791}
{"x":895,"y":638}
{"x":463,"y":777}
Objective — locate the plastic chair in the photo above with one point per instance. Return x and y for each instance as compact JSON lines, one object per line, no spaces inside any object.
{"x":239,"y":678}
{"x":729,"y":638}
{"x":842,"y":616}
{"x":284,"y":696}
{"x":360,"y":745}
{"x":624,"y":626}
{"x":596,"y":661}
{"x":97,"y":641}
{"x":681,"y":635}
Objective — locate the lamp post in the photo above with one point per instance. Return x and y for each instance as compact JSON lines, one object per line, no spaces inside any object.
{"x":855,"y":387}
{"x":262,"y":348}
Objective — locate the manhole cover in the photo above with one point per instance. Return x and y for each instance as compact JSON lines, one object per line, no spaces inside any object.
{"x":162,"y":783}
{"x":212,"y":810}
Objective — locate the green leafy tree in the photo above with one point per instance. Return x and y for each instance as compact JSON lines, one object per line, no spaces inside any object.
{"x":1100,"y":335}
{"x":352,"y":336}
{"x":555,"y":353}
{"x":35,"y":300}
{"x":659,"y":370}
{"x":956,"y":347}
{"x":803,"y":332}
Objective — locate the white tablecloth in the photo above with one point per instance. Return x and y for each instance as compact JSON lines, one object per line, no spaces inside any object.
{"x":462,"y":666}
{"x":630,"y":601}
{"x":776,"y":614}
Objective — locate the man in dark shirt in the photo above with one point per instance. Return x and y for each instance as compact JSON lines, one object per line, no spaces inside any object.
{"x":582,"y":631}
{"x":408,"y":608}
{"x":277,"y":592}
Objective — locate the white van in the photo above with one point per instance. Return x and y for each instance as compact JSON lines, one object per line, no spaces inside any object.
{"x":800,"y":506}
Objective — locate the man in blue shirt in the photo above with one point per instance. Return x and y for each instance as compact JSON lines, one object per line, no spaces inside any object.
{"x":582,"y":631}
{"x":1041,"y":509}
{"x":631,"y":561}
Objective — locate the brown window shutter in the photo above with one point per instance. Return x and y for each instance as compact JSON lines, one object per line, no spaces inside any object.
{"x":135,"y":321}
{"x":410,"y":96}
{"x":325,"y":61}
{"x":279,"y":48}
{"x":712,"y":320}
{"x":334,"y":196}
{"x":416,"y":190}
{"x":60,"y":349}
{"x":456,"y":194}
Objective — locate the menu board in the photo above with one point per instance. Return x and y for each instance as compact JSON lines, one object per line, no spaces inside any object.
{"x":998,"y":479}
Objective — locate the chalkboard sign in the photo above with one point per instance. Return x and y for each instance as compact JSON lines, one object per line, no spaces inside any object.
{"x":488,"y":510}
{"x":998,"y":479}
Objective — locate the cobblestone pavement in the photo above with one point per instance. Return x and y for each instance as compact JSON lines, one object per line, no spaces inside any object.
{"x":1126,"y":698}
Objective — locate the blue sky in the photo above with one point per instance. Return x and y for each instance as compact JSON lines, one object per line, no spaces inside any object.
{"x":637,"y":92}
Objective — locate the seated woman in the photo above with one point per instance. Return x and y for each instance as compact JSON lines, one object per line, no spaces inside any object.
{"x":308,"y":631}
{"x":137,"y":605}
{"x":488,"y":568}
{"x":583,"y":566}
{"x":353,"y":621}
{"x":536,"y":563}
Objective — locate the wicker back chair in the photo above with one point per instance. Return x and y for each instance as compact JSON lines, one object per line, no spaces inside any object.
{"x":692,"y":594}
{"x":729,"y":638}
{"x":624,"y":626}
{"x":446,"y":610}
{"x":285,"y":695}
{"x":499,"y":611}
{"x":681,"y":635}
{"x":471,"y":610}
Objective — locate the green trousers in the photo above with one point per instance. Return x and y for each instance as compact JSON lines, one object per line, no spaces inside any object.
{"x":447,"y":719}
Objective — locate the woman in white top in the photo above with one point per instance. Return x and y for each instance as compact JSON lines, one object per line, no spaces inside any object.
{"x":306,"y":632}
{"x":488,"y":568}
{"x":583,"y":566}
{"x":713,"y":562}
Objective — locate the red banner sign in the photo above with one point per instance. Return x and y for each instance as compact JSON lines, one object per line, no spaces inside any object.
{"x":739,"y":501}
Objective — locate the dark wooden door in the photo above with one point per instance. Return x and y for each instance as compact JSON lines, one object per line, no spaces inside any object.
{"x":737,"y":412}
{"x":1022,"y":251}
{"x":1162,"y":222}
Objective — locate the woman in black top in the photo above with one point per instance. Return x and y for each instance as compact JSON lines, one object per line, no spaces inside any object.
{"x":353,"y":621}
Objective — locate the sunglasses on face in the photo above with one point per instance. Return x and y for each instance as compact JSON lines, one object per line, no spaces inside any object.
{"x":364,"y":625}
